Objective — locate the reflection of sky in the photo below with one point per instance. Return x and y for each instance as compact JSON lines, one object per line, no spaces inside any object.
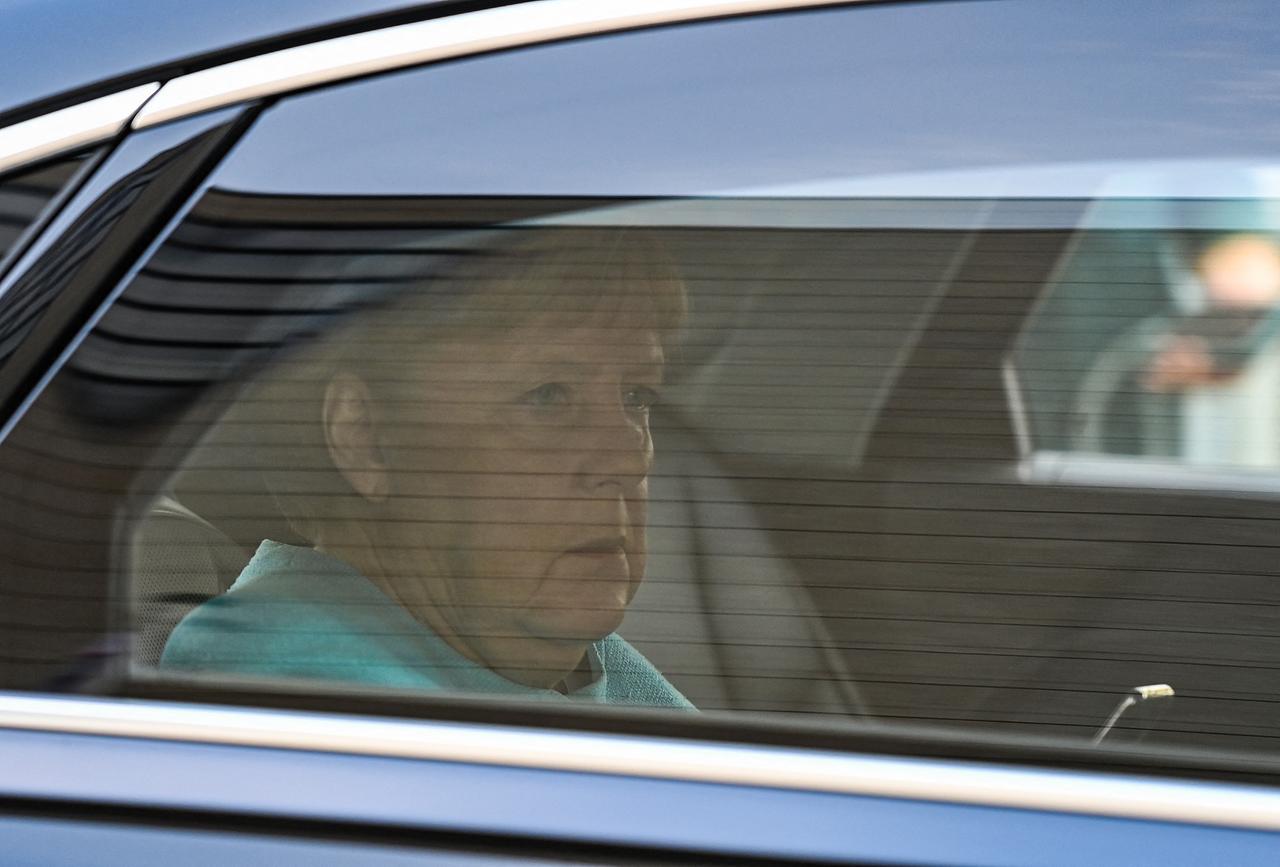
{"x":52,"y":46}
{"x":785,"y":100}
{"x":1182,"y":179}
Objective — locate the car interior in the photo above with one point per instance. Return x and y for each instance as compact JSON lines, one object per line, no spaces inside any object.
{"x":858,"y":441}
{"x":841,"y":525}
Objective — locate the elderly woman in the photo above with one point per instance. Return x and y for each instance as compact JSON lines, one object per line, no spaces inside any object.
{"x":469,"y":467}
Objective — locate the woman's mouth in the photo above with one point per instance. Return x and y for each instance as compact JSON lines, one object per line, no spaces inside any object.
{"x":586,"y":590}
{"x":601,"y":545}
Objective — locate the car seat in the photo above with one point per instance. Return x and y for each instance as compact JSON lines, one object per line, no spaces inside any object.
{"x":179,"y":560}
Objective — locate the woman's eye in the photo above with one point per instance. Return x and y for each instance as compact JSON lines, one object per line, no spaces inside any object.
{"x":640,"y":397}
{"x":549,"y":394}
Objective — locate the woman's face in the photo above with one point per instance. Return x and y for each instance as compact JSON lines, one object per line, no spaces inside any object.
{"x":518,"y":466}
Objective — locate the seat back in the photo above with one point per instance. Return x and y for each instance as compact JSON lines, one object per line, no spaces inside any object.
{"x":179,"y":560}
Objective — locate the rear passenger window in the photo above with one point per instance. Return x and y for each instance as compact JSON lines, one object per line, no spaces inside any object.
{"x":710,"y":368}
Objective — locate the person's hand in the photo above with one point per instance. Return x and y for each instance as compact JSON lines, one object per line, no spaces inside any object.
{"x":1184,"y":362}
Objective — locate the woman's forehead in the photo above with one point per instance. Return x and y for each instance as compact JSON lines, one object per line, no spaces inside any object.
{"x":546,"y":342}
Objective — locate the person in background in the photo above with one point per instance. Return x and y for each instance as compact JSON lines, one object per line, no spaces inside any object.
{"x":1223,"y":362}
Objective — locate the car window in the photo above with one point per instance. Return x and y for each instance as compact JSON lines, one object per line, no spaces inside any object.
{"x":695,"y":368}
{"x":25,"y":194}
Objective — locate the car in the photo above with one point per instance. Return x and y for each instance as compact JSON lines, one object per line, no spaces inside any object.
{"x":918,"y":357}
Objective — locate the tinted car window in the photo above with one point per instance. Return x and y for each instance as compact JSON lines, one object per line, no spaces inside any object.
{"x":24,"y":195}
{"x":721,"y":339}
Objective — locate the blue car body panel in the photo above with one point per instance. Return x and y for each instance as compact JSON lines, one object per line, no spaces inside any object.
{"x":592,"y":808}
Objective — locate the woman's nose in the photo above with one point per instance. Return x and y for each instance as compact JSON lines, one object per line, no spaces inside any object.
{"x":615,"y":445}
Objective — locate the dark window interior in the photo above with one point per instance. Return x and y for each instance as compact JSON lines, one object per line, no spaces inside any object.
{"x":24,"y":195}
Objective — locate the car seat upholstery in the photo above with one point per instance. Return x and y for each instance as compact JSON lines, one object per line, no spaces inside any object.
{"x":179,"y":560}
{"x":727,"y":619}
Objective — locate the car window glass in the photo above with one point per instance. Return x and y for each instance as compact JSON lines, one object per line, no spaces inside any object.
{"x":1025,"y":83}
{"x":694,"y":368}
{"x":24,"y":195}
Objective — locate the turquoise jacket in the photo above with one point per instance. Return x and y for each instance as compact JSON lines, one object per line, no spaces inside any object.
{"x":295,"y":612}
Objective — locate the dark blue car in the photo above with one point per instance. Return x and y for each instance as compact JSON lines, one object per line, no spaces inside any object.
{"x":639,"y":431}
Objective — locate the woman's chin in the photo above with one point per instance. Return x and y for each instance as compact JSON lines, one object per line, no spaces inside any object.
{"x":569,"y":625}
{"x":582,"y":600}
{"x":552,"y":644}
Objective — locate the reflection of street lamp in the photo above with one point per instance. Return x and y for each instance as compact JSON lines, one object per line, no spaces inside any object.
{"x":1139,"y":693}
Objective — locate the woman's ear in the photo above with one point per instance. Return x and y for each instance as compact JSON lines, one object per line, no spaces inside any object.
{"x":351,"y":434}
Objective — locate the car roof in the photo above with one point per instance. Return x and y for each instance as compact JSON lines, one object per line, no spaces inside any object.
{"x":55,"y":52}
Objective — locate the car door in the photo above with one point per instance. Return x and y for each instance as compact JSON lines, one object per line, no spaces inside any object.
{"x":901,"y":641}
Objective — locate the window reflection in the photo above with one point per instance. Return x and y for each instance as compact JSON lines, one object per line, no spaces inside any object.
{"x":1160,"y":336}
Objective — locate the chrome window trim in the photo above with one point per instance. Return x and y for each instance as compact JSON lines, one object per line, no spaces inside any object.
{"x":436,"y":39}
{"x":67,"y":129}
{"x":787,"y":768}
